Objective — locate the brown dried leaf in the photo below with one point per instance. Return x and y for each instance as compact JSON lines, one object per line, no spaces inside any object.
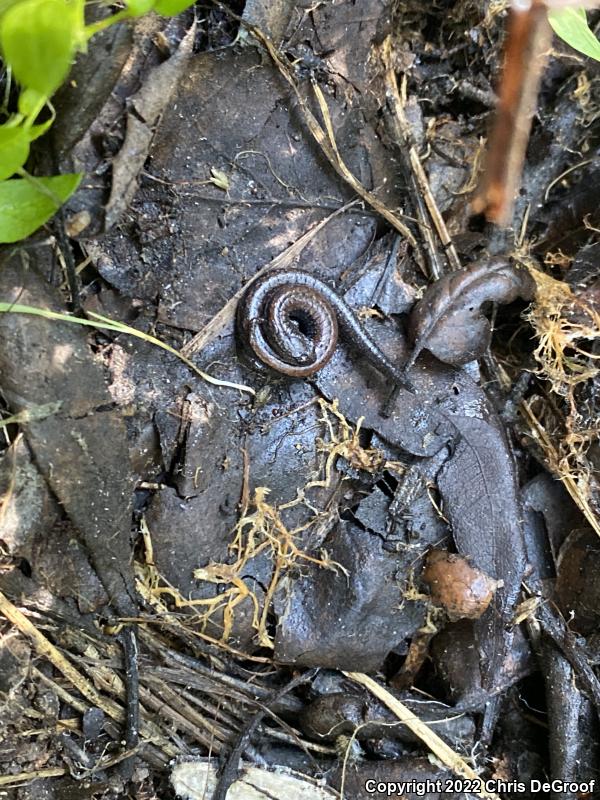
{"x":147,"y":106}
{"x":449,"y":321}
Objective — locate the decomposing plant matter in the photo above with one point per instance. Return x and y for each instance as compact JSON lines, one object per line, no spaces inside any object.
{"x":261,"y":529}
{"x":567,"y":328}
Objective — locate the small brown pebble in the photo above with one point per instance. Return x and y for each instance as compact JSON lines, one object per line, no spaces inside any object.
{"x":460,"y":589}
{"x":77,"y":223}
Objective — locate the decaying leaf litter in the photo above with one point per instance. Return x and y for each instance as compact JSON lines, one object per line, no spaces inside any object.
{"x":247,"y":540}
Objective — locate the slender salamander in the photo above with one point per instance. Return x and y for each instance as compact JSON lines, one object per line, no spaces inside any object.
{"x":290,"y":320}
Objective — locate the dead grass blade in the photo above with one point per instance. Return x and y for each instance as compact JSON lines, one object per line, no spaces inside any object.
{"x":31,"y":414}
{"x":553,"y":460}
{"x":566,"y":326}
{"x":324,"y":138}
{"x":404,"y":137}
{"x":46,"y":649}
{"x":21,"y":778}
{"x":104,"y":323}
{"x":437,"y":746}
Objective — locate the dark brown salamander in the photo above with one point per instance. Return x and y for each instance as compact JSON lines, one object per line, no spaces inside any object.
{"x":290,"y":320}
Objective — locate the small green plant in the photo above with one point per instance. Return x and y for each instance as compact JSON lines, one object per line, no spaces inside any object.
{"x":571,"y":25}
{"x":39,"y":40}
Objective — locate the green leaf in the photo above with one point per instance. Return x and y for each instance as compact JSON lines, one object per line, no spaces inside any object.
{"x":30,"y":101}
{"x":35,"y":131}
{"x":25,"y":204}
{"x":138,"y":7}
{"x":30,"y":105}
{"x":6,"y":4}
{"x":14,"y":150}
{"x":77,"y":10}
{"x":38,"y":40}
{"x":168,"y":8}
{"x":570,"y":24}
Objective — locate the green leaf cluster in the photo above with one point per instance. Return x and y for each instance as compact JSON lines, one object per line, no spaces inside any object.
{"x":39,"y":40}
{"x":571,"y":25}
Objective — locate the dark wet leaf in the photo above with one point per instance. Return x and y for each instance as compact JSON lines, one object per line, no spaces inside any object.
{"x":449,"y":321}
{"x":220,"y":239}
{"x":478,"y":486}
{"x":348,"y":712}
{"x":348,"y":620}
{"x":60,"y":562}
{"x":14,"y":663}
{"x":578,"y":580}
{"x":28,"y":509}
{"x":398,"y":772}
{"x":81,"y":451}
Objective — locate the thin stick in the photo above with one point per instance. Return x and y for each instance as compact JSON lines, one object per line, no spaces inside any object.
{"x":230,"y":769}
{"x":404,"y":135}
{"x":555,"y":627}
{"x":525,"y":55}
{"x":132,"y":683}
{"x":48,"y":650}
